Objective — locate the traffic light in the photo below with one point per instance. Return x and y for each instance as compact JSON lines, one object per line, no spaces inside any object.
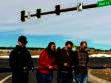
{"x":38,"y":13}
{"x":57,"y":9}
{"x":23,"y":15}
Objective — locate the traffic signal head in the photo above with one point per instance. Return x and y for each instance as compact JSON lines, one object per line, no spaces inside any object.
{"x":23,"y":16}
{"x":38,"y":13}
{"x":57,"y":9}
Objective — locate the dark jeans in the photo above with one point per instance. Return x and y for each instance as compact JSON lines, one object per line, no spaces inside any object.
{"x":64,"y":77}
{"x":81,"y":78}
{"x":20,"y":77}
{"x":44,"y":78}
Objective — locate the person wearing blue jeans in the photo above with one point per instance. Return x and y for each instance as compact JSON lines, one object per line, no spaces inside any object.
{"x":46,"y":64}
{"x":64,"y":77}
{"x":44,"y":78}
{"x":81,"y":78}
{"x":65,"y":61}
{"x":81,"y":63}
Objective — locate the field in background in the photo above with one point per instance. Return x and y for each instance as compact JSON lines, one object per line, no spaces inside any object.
{"x":5,"y":51}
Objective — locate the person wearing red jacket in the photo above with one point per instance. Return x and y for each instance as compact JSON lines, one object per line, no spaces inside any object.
{"x":46,"y":64}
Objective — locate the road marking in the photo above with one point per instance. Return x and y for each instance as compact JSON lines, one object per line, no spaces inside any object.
{"x":6,"y":78}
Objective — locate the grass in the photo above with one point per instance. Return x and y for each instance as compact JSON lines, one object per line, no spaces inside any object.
{"x":102,"y":73}
{"x":2,"y":75}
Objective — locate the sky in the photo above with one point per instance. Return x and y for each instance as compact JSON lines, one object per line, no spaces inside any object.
{"x":92,"y":25}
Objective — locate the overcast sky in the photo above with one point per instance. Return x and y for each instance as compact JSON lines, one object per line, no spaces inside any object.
{"x":92,"y":25}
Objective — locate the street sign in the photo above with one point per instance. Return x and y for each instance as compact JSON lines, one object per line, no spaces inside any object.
{"x":104,"y":3}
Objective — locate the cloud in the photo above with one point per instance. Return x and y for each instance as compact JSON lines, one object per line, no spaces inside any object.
{"x":92,"y":24}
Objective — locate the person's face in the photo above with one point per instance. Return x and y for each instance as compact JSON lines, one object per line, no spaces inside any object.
{"x":69,"y":47}
{"x":20,"y":44}
{"x":83,"y":46}
{"x":53,"y":47}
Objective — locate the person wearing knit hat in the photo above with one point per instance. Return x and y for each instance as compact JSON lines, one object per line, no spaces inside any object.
{"x":23,"y":39}
{"x":20,"y":61}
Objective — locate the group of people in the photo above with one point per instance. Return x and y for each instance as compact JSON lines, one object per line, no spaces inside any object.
{"x":69,"y":64}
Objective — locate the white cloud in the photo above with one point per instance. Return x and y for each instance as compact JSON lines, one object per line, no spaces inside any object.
{"x":92,"y":24}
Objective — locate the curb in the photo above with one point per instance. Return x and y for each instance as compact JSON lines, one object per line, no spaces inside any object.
{"x":6,"y":78}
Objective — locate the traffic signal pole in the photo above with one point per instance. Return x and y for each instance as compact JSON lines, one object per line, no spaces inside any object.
{"x":57,"y":10}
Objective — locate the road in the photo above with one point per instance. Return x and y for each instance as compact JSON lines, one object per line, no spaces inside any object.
{"x":32,"y":76}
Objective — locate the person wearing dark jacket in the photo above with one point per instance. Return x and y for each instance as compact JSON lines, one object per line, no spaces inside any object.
{"x":46,"y":64}
{"x":81,"y":63}
{"x":65,"y":61}
{"x":20,"y":61}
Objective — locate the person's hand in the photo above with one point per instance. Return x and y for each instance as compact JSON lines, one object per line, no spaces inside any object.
{"x":106,"y":65}
{"x":88,"y":65}
{"x":32,"y":69}
{"x":66,"y":64}
{"x":50,"y":67}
